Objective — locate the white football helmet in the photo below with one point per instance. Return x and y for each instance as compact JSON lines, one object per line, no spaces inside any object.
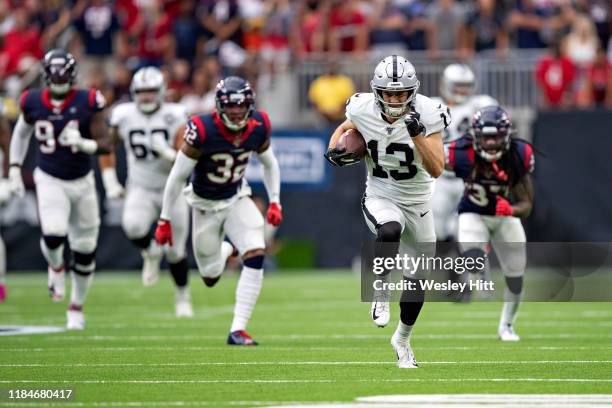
{"x":458,"y":83}
{"x":148,"y":79}
{"x":394,"y":74}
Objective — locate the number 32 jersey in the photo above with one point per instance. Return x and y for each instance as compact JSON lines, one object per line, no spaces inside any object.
{"x":219,"y":173}
{"x":145,"y":167}
{"x":395,"y":169}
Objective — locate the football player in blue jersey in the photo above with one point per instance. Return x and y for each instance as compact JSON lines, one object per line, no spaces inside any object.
{"x":216,"y":151}
{"x":495,"y":168}
{"x":70,"y":127}
{"x":5,"y":193}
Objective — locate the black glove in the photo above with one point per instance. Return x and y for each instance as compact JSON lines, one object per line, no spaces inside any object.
{"x":340,"y":157}
{"x":414,"y":125}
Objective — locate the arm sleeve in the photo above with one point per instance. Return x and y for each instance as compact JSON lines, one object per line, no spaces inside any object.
{"x":182,"y":168}
{"x":20,"y":141}
{"x":271,"y":174}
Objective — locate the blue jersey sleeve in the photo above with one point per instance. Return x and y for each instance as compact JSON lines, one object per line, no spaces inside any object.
{"x":195,"y":132}
{"x":461,"y":157}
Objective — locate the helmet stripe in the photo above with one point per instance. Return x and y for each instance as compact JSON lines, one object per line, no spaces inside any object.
{"x":395,"y":68}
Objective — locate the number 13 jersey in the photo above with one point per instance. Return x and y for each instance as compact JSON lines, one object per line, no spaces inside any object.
{"x":395,"y":168}
{"x":145,"y":167}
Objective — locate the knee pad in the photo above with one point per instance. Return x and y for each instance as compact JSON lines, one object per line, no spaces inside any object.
{"x":83,"y":263}
{"x":389,"y":232}
{"x":515,"y":285}
{"x":141,"y":243}
{"x":210,"y":267}
{"x":53,"y":241}
{"x":134,"y":230}
{"x":175,"y":254}
{"x":254,"y":262}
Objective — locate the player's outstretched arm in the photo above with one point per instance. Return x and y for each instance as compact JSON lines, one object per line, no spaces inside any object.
{"x":98,"y":128}
{"x":18,"y":149}
{"x":523,"y":194}
{"x":108,"y":163}
{"x":272,"y":181}
{"x":184,"y":164}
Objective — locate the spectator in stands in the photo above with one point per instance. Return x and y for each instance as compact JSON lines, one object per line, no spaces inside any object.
{"x":329,"y":92}
{"x":222,"y":22}
{"x":447,"y":17}
{"x":98,"y":30}
{"x":527,"y":21}
{"x":555,"y":75}
{"x":420,"y":30}
{"x":187,"y":32}
{"x":386,"y":26}
{"x":277,"y":35}
{"x":154,"y":35}
{"x":600,"y":12}
{"x":309,"y":28}
{"x":348,"y":30}
{"x":580,"y":46}
{"x":485,"y":29}
{"x":599,"y":81}
{"x":22,"y":41}
{"x":53,"y":18}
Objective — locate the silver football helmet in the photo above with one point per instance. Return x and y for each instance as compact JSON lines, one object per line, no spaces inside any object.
{"x":457,"y":84}
{"x":148,"y":79}
{"x":394,"y":74}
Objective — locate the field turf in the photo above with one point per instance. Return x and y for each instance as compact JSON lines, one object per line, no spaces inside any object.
{"x":317,"y":344}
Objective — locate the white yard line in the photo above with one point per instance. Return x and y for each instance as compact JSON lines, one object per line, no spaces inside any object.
{"x":290,"y":363}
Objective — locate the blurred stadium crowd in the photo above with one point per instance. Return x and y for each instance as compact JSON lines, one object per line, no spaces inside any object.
{"x":196,"y":42}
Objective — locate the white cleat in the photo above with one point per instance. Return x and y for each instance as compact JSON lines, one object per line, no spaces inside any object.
{"x":380,"y":313}
{"x":405,"y":356}
{"x":182,"y":305}
{"x":76,"y":319}
{"x":56,"y":283}
{"x":507,"y":333}
{"x":150,"y":264}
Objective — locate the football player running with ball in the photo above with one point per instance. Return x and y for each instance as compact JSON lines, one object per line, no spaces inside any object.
{"x":151,"y":130}
{"x":70,"y":126}
{"x":498,"y":192}
{"x":403,"y":134}
{"x":215,"y":153}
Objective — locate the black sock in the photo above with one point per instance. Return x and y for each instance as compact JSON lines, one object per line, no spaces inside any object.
{"x":180,"y":272}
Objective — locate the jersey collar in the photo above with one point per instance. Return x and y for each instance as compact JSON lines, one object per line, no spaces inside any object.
{"x":46,"y":98}
{"x":235,"y":138}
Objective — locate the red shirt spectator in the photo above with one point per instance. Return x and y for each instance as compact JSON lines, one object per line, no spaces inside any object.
{"x":20,"y":42}
{"x":154,"y":37}
{"x":347,"y":28}
{"x":599,"y":79}
{"x":555,"y":74}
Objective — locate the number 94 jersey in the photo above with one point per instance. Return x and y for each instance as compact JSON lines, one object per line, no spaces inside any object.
{"x":395,"y":169}
{"x":219,"y":173}
{"x":145,"y":167}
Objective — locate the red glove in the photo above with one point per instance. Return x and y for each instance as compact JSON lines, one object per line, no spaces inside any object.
{"x":274,"y":215}
{"x":163,"y":232}
{"x":503,"y":208}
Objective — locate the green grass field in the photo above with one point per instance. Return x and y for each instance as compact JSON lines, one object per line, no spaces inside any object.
{"x":317,"y":344}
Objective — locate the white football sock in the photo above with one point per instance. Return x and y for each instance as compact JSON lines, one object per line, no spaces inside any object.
{"x":402,"y":333}
{"x":182,"y":293}
{"x":247,"y":292}
{"x":510,"y":308}
{"x":2,"y":262}
{"x":54,"y":257}
{"x":80,"y":286}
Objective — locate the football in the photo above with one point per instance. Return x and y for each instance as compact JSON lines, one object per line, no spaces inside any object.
{"x":353,"y":142}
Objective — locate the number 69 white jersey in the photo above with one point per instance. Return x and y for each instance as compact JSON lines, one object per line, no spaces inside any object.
{"x":145,"y":167}
{"x":395,"y":169}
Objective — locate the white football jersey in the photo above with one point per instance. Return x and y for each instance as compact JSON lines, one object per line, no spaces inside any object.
{"x":462,"y":115}
{"x":145,"y":168}
{"x":395,"y":169}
